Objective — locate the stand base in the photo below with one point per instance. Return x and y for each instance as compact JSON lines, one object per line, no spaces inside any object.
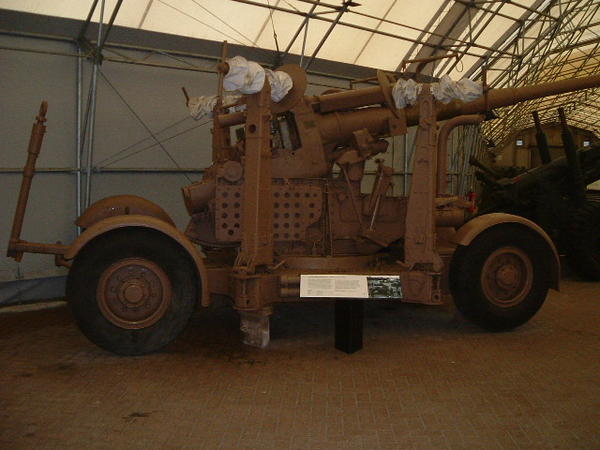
{"x":255,"y":328}
{"x":349,"y":315}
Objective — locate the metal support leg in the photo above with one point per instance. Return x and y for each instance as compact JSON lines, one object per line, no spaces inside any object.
{"x":255,"y":327}
{"x":349,"y":318}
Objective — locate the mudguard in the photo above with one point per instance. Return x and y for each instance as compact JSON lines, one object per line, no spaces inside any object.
{"x":470,"y":230}
{"x":119,"y":205}
{"x":143,"y":221}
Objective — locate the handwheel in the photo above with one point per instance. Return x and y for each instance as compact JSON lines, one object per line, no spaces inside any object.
{"x":501,"y":279}
{"x":132,"y":290}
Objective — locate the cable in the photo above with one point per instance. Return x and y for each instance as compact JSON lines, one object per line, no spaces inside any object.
{"x":175,"y":58}
{"x":142,"y":123}
{"x":224,"y":23}
{"x":158,"y":143}
{"x":199,"y":21}
{"x":291,"y":6}
{"x":273,"y":26}
{"x":142,"y":140}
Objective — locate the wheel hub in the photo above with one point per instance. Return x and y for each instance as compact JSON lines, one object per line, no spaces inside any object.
{"x":507,"y":276}
{"x":134,"y":293}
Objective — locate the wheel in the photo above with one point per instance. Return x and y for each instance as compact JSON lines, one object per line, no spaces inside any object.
{"x":501,"y":279}
{"x":132,"y":291}
{"x":583,"y":241}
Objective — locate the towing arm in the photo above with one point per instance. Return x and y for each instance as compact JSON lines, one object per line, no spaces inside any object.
{"x":16,"y":246}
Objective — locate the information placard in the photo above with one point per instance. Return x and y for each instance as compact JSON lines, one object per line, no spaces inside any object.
{"x":350,"y":286}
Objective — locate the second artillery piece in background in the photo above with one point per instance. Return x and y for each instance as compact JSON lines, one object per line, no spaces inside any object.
{"x":554,"y":196}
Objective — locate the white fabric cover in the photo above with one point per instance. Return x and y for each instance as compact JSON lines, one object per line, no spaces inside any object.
{"x":405,"y":92}
{"x":464,"y":90}
{"x":245,"y":77}
{"x":248,"y":77}
{"x":280,"y":82}
{"x":203,"y":106}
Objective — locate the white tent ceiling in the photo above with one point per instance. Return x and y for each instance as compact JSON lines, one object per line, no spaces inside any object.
{"x":386,"y":34}
{"x":252,"y":26}
{"x":521,"y":42}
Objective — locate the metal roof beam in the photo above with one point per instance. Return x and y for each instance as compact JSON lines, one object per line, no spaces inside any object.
{"x":346,"y":24}
{"x":262,"y":28}
{"x":491,"y":17}
{"x":487,"y":10}
{"x":341,"y":12}
{"x":526,"y":8}
{"x":145,"y":13}
{"x":576,"y":45}
{"x":381,"y":21}
{"x":452,"y":25}
{"x":505,"y":38}
{"x":299,"y":30}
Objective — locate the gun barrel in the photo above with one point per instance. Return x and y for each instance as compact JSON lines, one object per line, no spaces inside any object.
{"x":540,"y":137}
{"x":339,"y":126}
{"x":337,"y":119}
{"x":496,"y":97}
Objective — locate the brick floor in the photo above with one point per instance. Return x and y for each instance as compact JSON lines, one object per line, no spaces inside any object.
{"x":425,"y":379}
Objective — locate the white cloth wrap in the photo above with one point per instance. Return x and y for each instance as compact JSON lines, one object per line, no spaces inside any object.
{"x":203,"y":106}
{"x":464,"y":90}
{"x":248,"y":77}
{"x":405,"y":92}
{"x":280,"y":82}
{"x":244,"y":77}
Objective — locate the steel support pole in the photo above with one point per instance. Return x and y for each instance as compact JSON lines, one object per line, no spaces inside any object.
{"x":343,"y":9}
{"x":78,"y":136}
{"x":86,"y":24}
{"x":298,"y":31}
{"x":304,"y":43}
{"x":90,"y":143}
{"x":92,"y":113}
{"x":109,"y":26}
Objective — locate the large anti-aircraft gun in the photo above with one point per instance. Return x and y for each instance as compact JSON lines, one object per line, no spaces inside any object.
{"x":554,"y":196}
{"x":276,"y":224}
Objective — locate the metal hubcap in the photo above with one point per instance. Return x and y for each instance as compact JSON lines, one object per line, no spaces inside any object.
{"x":507,"y":276}
{"x":134,"y":293}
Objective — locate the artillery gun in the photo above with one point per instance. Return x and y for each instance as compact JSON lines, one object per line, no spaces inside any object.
{"x":554,"y":196}
{"x":275,"y":223}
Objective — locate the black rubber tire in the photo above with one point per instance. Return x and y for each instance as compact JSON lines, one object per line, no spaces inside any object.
{"x":583,"y":241}
{"x":110,"y":248}
{"x":468,"y":264}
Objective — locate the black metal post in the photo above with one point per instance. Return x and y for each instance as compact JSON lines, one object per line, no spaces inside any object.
{"x":349,"y":318}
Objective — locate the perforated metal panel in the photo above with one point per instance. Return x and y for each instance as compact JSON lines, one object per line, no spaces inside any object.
{"x":295,"y":207}
{"x":228,"y":212}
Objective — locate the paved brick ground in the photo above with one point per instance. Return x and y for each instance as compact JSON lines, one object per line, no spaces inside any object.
{"x":425,"y":379}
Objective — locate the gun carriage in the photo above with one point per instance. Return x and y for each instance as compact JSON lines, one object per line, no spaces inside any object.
{"x":272,"y":209}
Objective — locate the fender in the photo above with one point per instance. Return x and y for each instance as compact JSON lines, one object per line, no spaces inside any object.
{"x":119,"y":205}
{"x":470,"y":230}
{"x":143,"y":221}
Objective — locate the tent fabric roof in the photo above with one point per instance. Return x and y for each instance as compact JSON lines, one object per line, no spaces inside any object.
{"x":520,"y":42}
